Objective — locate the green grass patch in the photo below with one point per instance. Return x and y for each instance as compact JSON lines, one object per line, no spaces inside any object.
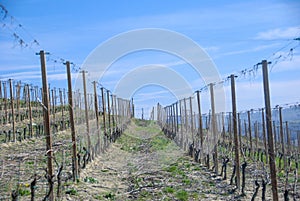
{"x":186,"y":181}
{"x":129,"y":143}
{"x":71,"y":191}
{"x":169,"y":189}
{"x":91,"y":180}
{"x":159,"y":142}
{"x":24,"y":192}
{"x":182,"y":195}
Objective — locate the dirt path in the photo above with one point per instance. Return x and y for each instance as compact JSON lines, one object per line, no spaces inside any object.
{"x":144,"y":165}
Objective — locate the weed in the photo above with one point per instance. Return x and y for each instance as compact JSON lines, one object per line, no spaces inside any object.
{"x":91,"y":180}
{"x":182,"y":195}
{"x":72,"y":191}
{"x":24,"y":192}
{"x":169,"y":189}
{"x":186,"y":181}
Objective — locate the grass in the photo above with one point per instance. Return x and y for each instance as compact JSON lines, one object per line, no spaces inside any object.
{"x":71,"y":191}
{"x":169,"y":189}
{"x":91,"y":180}
{"x":130,"y":143}
{"x":159,"y":142}
{"x":182,"y":195}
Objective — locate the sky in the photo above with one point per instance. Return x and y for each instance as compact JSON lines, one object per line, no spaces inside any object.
{"x":236,"y":35}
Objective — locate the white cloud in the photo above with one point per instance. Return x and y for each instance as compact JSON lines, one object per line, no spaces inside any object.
{"x":273,"y":34}
{"x":254,"y":49}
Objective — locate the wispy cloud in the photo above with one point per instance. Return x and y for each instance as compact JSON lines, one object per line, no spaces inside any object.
{"x":254,"y":49}
{"x":279,"y":33}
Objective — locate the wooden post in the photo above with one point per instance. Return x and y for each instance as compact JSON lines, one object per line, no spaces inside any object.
{"x":249,"y":130}
{"x":104,"y":118}
{"x":200,"y":126}
{"x":264,"y":133}
{"x":72,"y":123}
{"x":5,"y":102}
{"x":174,"y":118}
{"x":240,"y":131}
{"x":256,"y":135}
{"x":12,"y":109}
{"x":113,"y":113}
{"x":281,"y":136}
{"x":18,"y":93}
{"x":108,"y":112}
{"x":46,"y":109}
{"x":132,"y":106}
{"x":288,"y":138}
{"x":104,"y":110}
{"x":275,"y":136}
{"x":181,"y":123}
{"x":235,"y":131}
{"x":86,"y":111}
{"x":53,"y":105}
{"x":192,"y":121}
{"x":97,"y":114}
{"x":269,"y":130}
{"x":116,"y":111}
{"x":30,"y":111}
{"x":185,"y":123}
{"x":230,"y":128}
{"x":214,"y":129}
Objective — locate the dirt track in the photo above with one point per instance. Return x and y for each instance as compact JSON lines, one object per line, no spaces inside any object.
{"x":144,"y":165}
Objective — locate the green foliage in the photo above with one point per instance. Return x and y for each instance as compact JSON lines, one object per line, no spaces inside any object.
{"x":91,"y":180}
{"x":175,"y":170}
{"x":182,"y":195}
{"x":110,"y":196}
{"x":129,"y":143}
{"x":169,"y":189}
{"x":186,"y":181}
{"x":71,"y":191}
{"x":159,"y":142}
{"x":24,"y":192}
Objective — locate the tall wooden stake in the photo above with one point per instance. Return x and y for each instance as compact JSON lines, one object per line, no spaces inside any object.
{"x":12,"y":109}
{"x":288,"y":139}
{"x":86,"y":111}
{"x":46,"y":109}
{"x":239,"y":131}
{"x":97,"y":113}
{"x":249,"y":130}
{"x":281,"y":136}
{"x":103,"y":116}
{"x":235,"y":131}
{"x":200,"y":126}
{"x":5,"y":102}
{"x":30,"y":112}
{"x":108,"y":112}
{"x":192,"y":121}
{"x":72,"y":123}
{"x":214,"y":128}
{"x":269,"y":130}
{"x":132,"y":106}
{"x":264,"y":133}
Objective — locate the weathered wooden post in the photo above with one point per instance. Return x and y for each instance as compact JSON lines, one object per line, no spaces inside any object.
{"x":12,"y":110}
{"x":86,"y":111}
{"x":235,"y":132}
{"x":269,"y":130}
{"x":46,"y":109}
{"x":214,"y":128}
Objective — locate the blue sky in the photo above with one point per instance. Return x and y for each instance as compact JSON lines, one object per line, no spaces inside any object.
{"x":235,"y":34}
